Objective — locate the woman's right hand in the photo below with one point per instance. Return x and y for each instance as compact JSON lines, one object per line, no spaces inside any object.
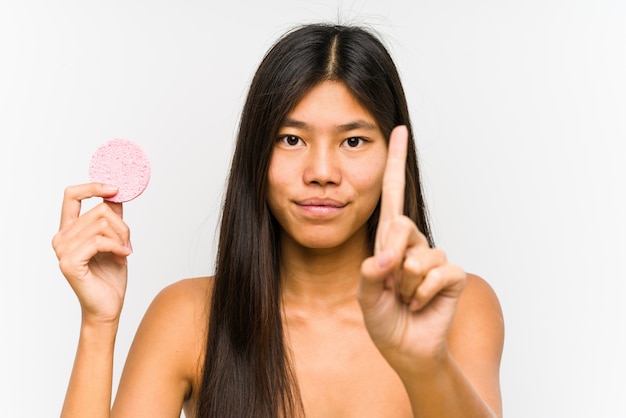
{"x":92,"y":250}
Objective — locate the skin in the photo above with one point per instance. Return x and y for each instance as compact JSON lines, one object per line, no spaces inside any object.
{"x":400,"y":333}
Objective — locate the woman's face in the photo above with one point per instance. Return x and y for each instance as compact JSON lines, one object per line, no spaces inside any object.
{"x":325,"y":174}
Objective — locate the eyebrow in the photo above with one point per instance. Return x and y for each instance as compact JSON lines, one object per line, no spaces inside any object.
{"x":357,"y":124}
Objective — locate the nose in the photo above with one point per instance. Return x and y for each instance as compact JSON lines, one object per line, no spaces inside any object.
{"x":322,"y":166}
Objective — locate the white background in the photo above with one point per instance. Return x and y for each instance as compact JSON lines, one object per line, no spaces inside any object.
{"x":520,"y":114}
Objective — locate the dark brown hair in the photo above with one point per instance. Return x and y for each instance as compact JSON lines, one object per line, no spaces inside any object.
{"x":247,"y":372}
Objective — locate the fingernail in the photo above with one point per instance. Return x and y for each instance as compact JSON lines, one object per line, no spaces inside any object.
{"x":415,"y":305}
{"x":129,"y":245}
{"x":109,"y":188}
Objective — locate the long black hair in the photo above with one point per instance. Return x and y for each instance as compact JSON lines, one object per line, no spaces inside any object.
{"x":247,"y":372}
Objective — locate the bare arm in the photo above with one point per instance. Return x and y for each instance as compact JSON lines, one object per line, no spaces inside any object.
{"x":476,"y":340}
{"x":162,"y":370}
{"x":89,"y":389}
{"x":92,"y":250}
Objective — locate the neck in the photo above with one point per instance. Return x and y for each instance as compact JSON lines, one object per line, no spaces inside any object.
{"x":322,"y":279}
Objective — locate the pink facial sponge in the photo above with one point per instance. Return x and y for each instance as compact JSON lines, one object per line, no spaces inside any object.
{"x":124,"y":164}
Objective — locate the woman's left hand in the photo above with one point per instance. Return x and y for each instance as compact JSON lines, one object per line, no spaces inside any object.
{"x":408,"y":291}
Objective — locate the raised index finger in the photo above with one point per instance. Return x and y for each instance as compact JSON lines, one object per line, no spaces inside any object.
{"x":392,"y":198}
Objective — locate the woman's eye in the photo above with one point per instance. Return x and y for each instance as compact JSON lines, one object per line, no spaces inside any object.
{"x":354,"y":142}
{"x":290,"y":140}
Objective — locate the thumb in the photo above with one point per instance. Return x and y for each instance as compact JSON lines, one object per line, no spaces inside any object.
{"x":117,"y":207}
{"x":377,"y":276}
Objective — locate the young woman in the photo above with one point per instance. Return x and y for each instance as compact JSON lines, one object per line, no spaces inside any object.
{"x":329,"y":298}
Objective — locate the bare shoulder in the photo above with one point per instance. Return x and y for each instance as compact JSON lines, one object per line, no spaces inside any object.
{"x":479,"y":311}
{"x":183,"y":303}
{"x":164,"y":360}
{"x":184,"y":294}
{"x":478,"y":290}
{"x":180,"y":312}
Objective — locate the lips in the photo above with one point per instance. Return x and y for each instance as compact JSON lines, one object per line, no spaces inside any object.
{"x":320,"y":207}
{"x":325,"y":202}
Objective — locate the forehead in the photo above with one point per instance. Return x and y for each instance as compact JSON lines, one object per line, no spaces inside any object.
{"x":330,"y":103}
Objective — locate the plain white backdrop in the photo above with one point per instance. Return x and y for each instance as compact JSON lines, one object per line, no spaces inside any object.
{"x":520,"y":114}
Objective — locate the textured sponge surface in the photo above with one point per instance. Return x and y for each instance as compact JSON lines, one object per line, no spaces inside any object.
{"x":124,"y":164}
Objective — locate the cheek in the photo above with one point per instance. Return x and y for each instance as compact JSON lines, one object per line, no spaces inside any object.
{"x":280,"y":165}
{"x":277,"y":180}
{"x":368,"y":176}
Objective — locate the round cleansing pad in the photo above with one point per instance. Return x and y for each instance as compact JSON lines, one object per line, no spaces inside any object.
{"x":124,"y":164}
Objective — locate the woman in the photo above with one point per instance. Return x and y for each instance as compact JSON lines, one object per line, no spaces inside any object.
{"x":329,"y":299}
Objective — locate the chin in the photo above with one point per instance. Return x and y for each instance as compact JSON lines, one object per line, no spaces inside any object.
{"x":330,"y":239}
{"x":319,"y":243}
